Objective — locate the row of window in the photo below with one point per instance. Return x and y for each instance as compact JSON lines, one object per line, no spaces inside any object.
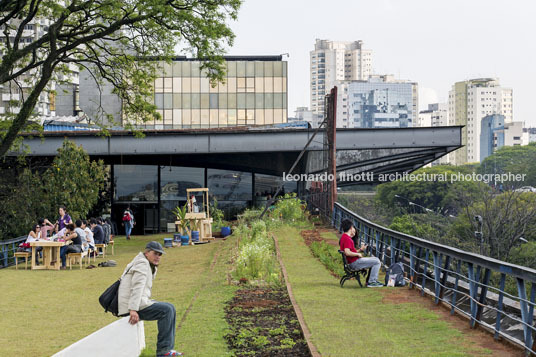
{"x":234,"y":69}
{"x":218,"y":118}
{"x":232,"y":85}
{"x":220,"y":101}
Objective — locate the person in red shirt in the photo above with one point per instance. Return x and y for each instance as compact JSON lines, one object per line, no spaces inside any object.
{"x":355,"y":257}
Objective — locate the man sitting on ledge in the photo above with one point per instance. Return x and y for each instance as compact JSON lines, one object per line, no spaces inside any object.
{"x":355,"y":258}
{"x":134,"y":298}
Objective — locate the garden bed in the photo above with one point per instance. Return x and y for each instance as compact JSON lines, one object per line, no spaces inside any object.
{"x":263,"y":323}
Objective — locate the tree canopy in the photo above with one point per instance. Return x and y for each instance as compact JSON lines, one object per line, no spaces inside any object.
{"x":112,"y":40}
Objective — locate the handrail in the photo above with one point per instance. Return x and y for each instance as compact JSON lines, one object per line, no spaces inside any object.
{"x":487,"y":262}
{"x":7,"y":249}
{"x":465,"y":286}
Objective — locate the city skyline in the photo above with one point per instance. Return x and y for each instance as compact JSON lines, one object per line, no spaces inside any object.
{"x":465,"y":41}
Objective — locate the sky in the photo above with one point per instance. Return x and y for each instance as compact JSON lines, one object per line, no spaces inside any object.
{"x":431,"y":42}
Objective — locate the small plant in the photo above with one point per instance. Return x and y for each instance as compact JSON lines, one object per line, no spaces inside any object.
{"x":260,"y":341}
{"x":287,"y":343}
{"x":181,"y":217}
{"x":277,"y":331}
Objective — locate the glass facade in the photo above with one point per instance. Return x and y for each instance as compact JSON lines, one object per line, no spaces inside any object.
{"x":154,"y":191}
{"x":254,"y":92}
{"x":381,"y":105}
{"x":173,"y":184}
{"x":135,"y":183}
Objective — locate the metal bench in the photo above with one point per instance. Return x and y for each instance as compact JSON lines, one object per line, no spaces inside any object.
{"x":349,"y":273}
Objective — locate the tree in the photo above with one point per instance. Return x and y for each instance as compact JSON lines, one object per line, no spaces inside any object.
{"x":515,"y":160}
{"x":28,"y":194}
{"x":108,"y":38}
{"x":506,"y":218}
{"x":74,"y":180}
{"x":435,"y":194}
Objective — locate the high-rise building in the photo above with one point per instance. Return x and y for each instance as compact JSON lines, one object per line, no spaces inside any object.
{"x":14,"y":92}
{"x":469,"y":102}
{"x":495,"y":134}
{"x":378,"y":102}
{"x":334,"y":61}
{"x":254,"y":92}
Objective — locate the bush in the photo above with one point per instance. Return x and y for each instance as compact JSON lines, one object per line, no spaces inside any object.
{"x":256,"y":260}
{"x":329,"y":256}
{"x":289,"y":209}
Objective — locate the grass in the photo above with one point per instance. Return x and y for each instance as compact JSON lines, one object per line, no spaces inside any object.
{"x":369,"y":327}
{"x":58,"y":308}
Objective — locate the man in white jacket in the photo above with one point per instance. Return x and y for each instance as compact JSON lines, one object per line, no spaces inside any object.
{"x":134,"y":298}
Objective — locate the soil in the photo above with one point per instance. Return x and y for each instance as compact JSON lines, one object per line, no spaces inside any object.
{"x":263,"y":323}
{"x":313,"y":235}
{"x":473,"y":337}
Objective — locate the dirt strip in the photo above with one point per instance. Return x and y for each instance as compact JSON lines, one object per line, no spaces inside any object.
{"x":299,"y":314}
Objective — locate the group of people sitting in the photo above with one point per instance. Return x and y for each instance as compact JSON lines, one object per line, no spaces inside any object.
{"x":80,"y":236}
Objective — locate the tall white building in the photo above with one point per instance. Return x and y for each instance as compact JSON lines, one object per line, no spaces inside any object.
{"x":469,"y":102}
{"x":14,"y":92}
{"x":333,"y":61}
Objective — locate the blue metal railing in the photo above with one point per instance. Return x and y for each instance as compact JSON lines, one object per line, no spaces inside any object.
{"x":7,"y":249}
{"x":469,"y":289}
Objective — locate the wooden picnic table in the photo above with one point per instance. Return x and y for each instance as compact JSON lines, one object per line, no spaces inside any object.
{"x":51,"y":254}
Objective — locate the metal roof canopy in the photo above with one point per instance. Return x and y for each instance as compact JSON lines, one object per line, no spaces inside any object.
{"x":250,"y":140}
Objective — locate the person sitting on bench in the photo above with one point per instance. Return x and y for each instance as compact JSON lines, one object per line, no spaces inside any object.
{"x":355,"y":258}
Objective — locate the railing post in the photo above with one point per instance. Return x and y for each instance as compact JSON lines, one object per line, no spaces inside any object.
{"x":458,"y":270}
{"x":437,"y":274}
{"x":473,"y":287}
{"x":525,"y":316}
{"x":444,"y":277}
{"x":483,"y":294}
{"x":411,"y":265}
{"x":378,"y":235}
{"x":499,"y":307}
{"x":425,"y":269}
{"x":393,"y":254}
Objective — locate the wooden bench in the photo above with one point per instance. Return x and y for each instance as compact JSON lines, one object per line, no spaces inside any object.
{"x":111,"y":243}
{"x":349,"y":273}
{"x":24,"y":255}
{"x":101,"y":246}
{"x":80,"y":256}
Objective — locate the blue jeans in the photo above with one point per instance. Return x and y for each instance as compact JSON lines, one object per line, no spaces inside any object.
{"x":128,"y":228}
{"x":66,"y":249}
{"x":165,"y":313}
{"x":365,"y":263}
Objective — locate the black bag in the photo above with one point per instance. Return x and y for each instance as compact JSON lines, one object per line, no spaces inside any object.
{"x":396,"y":274}
{"x":109,"y":298}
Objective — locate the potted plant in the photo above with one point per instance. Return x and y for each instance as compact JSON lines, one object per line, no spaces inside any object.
{"x":180,"y":212}
{"x":219,"y":223}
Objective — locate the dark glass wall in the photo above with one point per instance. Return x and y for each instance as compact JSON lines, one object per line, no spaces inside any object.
{"x":135,"y":183}
{"x":173,"y":184}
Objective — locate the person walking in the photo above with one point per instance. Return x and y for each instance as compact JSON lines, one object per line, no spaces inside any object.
{"x":134,"y":298}
{"x":128,"y":221}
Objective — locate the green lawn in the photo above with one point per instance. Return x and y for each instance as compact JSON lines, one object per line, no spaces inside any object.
{"x":43,"y":312}
{"x":354,"y":321}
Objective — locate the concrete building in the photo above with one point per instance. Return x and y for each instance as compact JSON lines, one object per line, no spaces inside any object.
{"x":435,"y":115}
{"x":334,"y":61}
{"x":379,"y":102}
{"x":304,"y":114}
{"x":469,"y":102}
{"x":12,"y":93}
{"x":254,"y":92}
{"x":530,"y":135}
{"x":495,"y":134}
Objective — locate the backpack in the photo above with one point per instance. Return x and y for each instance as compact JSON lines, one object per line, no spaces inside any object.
{"x":126,"y":217}
{"x":395,"y":273}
